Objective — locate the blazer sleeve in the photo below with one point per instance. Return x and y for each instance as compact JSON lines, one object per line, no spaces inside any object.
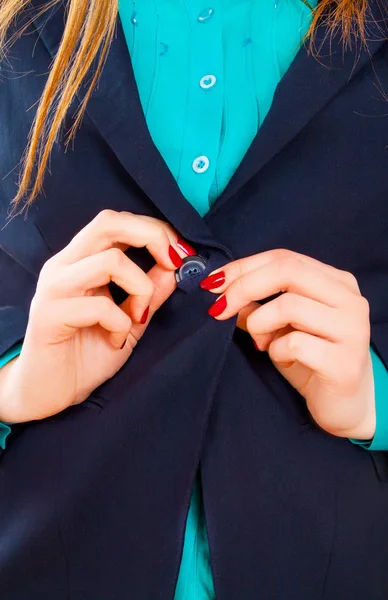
{"x":5,"y":429}
{"x":17,"y":287}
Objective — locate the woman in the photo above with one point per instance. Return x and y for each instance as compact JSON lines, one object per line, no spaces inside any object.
{"x":193,"y":322}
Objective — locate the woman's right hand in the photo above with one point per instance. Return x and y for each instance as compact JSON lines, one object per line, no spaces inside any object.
{"x":77,"y":337}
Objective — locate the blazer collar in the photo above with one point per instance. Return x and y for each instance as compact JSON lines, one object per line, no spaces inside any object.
{"x":116,"y":111}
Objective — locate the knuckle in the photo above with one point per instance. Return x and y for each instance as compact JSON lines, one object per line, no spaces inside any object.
{"x":350,"y":279}
{"x":281,"y":254}
{"x":48,"y":274}
{"x":42,"y":318}
{"x":239,"y":266}
{"x":115,"y":258}
{"x":102,"y":221}
{"x":359,"y":320}
{"x":363,"y":307}
{"x":47,"y":267}
{"x":241,"y":287}
{"x":105,"y":216}
{"x":286,"y":262}
{"x":159,"y":233}
{"x":287,"y":265}
{"x":167,"y":228}
{"x":294,"y":342}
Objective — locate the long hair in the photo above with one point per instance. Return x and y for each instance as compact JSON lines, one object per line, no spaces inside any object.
{"x":88,"y":33}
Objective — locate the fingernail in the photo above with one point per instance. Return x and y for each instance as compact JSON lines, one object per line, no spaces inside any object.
{"x":185,"y":247}
{"x":144,"y":318}
{"x":125,"y":341}
{"x":218,"y":307}
{"x":175,"y":258}
{"x":213,"y":281}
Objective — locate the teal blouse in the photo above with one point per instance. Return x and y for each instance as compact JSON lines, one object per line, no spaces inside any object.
{"x":206,"y":77}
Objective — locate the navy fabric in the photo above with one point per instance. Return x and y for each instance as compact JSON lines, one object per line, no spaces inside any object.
{"x":289,"y":508}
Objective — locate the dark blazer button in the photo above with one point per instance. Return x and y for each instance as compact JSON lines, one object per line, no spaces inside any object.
{"x":193,"y":267}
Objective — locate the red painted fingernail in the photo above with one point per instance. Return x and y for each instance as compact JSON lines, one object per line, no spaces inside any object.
{"x":144,"y":318}
{"x":218,"y":307}
{"x":255,"y":345}
{"x":213,"y":281}
{"x":125,"y":341}
{"x":175,"y":258}
{"x":185,"y":247}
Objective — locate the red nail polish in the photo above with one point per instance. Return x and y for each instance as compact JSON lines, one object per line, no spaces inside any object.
{"x":144,"y":318}
{"x":125,"y":341}
{"x":255,"y":345}
{"x":175,"y":258}
{"x":185,"y":247}
{"x":213,"y":281}
{"x":218,"y":307}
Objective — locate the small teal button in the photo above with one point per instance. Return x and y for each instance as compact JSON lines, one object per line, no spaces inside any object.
{"x":134,"y":18}
{"x":205,"y":15}
{"x":207,"y":81}
{"x":200,"y":164}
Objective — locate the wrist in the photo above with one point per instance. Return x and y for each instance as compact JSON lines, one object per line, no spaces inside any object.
{"x":353,"y":414}
{"x":365,"y":406}
{"x":367,"y":427}
{"x":365,"y":432}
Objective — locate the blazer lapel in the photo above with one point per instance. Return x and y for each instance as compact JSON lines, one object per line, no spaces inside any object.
{"x":115,"y":109}
{"x":309,"y":84}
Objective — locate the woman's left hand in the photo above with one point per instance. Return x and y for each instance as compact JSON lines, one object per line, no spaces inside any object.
{"x":317,"y":332}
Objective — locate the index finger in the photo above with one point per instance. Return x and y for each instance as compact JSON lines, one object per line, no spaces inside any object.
{"x":110,"y":228}
{"x":242,"y":266}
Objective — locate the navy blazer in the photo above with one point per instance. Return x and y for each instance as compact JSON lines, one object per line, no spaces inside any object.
{"x":93,"y":501}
